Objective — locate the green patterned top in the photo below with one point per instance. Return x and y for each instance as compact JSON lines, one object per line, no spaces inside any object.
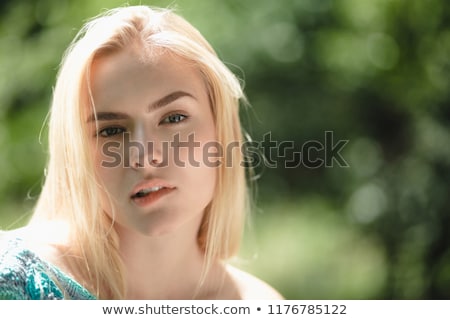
{"x":25,"y":276}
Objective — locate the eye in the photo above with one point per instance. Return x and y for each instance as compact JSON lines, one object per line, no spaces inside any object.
{"x":174,"y":118}
{"x":111,"y":131}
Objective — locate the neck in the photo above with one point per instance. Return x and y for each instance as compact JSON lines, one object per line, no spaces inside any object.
{"x":162,"y":267}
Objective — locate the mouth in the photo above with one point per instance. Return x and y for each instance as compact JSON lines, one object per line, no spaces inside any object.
{"x":146,"y":191}
{"x":149,"y":192}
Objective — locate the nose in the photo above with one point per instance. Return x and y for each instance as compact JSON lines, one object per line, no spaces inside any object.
{"x":144,"y":151}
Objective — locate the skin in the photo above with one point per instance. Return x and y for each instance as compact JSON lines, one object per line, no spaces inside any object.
{"x":123,"y":85}
{"x":150,"y":235}
{"x":158,"y":242}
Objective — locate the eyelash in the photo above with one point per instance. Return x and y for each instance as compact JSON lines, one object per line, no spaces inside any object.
{"x":174,"y":115}
{"x":166,"y":121}
{"x":103,"y":133}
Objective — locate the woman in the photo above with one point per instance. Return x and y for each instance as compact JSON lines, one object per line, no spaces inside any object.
{"x":145,"y":192}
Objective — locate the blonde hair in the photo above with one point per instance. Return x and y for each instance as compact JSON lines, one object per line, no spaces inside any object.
{"x":71,"y":192}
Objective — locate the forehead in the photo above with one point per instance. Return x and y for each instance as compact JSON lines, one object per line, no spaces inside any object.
{"x":124,"y":74}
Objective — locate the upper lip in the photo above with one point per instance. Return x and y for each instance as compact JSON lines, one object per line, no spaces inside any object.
{"x":147,"y":184}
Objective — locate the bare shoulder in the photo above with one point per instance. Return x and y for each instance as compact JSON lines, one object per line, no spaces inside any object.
{"x":44,"y":240}
{"x":251,"y":287}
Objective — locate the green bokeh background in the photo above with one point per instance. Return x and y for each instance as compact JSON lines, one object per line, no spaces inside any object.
{"x":374,"y":72}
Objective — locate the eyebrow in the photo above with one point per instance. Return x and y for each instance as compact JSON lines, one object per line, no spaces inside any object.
{"x":105,"y":116}
{"x":171,"y":97}
{"x":166,"y":100}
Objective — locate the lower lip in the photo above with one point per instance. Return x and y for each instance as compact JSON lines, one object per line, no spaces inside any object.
{"x":152,"y":197}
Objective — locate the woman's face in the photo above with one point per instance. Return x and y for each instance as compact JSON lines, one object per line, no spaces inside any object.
{"x":153,"y":121}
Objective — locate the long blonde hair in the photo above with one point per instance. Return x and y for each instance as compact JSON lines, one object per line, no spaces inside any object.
{"x":71,"y":192}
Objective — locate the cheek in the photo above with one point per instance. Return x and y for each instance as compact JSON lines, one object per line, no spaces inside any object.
{"x":109,"y":177}
{"x":199,"y":171}
{"x":108,"y":159}
{"x":207,"y":157}
{"x":105,"y":181}
{"x":201,"y":186}
{"x":206,"y":172}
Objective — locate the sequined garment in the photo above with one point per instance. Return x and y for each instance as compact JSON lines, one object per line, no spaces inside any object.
{"x":24,"y":276}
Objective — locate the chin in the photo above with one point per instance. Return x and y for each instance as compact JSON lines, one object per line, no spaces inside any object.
{"x":162,"y":227}
{"x":157,"y":231}
{"x":161,"y":222}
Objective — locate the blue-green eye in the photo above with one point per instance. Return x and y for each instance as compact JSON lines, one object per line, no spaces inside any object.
{"x":111,"y":131}
{"x":174,"y":118}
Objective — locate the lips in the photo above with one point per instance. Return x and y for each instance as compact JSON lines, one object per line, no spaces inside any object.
{"x":148,"y":191}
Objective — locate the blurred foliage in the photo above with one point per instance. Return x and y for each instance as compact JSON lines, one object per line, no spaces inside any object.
{"x":375,"y":72}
